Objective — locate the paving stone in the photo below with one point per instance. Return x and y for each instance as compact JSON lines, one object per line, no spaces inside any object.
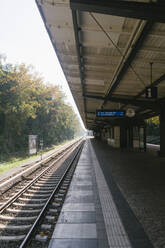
{"x":80,"y":210}
{"x":80,"y":187}
{"x":80,"y":192}
{"x":82,"y":177}
{"x":79,"y":207}
{"x":79,"y":199}
{"x":12,"y":238}
{"x":133,"y":178}
{"x":81,"y":183}
{"x":81,"y":172}
{"x":77,"y":217}
{"x":74,"y":231}
{"x":73,"y":243}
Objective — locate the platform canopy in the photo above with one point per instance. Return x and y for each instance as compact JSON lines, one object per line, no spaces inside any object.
{"x":107,"y":49}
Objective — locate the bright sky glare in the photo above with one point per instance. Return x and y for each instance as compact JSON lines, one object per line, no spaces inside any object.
{"x":24,"y":39}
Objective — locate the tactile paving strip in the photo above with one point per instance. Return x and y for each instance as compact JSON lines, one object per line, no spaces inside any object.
{"x":117,"y":237}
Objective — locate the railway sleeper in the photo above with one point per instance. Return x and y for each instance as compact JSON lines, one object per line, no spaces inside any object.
{"x":56,"y":204}
{"x":52,"y":177}
{"x":62,"y":191}
{"x":14,"y":238}
{"x":28,"y":205}
{"x":59,"y":199}
{"x":18,"y":218}
{"x":46,"y":185}
{"x":50,"y":218}
{"x":49,"y":178}
{"x":23,"y":211}
{"x":39,"y":191}
{"x":15,"y":227}
{"x":46,"y":226}
{"x":41,"y":188}
{"x":37,"y":195}
{"x":31,"y":200}
{"x":47,"y":181}
{"x":61,"y":195}
{"x":41,"y":238}
{"x":53,"y":211}
{"x":63,"y":187}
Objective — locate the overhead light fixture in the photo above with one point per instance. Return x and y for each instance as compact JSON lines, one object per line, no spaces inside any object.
{"x":151,"y":91}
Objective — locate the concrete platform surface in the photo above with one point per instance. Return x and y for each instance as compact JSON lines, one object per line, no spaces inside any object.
{"x":137,"y":183}
{"x":89,"y":217}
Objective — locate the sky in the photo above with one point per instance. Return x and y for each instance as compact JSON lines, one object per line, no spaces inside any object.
{"x":24,"y":39}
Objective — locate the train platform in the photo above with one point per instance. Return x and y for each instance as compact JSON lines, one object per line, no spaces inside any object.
{"x":96,"y":212}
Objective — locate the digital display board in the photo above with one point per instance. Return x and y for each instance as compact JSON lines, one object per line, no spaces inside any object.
{"x":110,"y":113}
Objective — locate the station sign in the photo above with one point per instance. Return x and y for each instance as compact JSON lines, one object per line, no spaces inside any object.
{"x":41,"y":142}
{"x":32,"y":144}
{"x":110,"y":113}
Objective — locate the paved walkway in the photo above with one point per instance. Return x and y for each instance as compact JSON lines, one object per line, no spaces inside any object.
{"x":137,"y":183}
{"x":89,"y":217}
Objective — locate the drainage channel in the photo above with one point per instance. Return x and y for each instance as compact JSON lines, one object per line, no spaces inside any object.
{"x":27,"y":218}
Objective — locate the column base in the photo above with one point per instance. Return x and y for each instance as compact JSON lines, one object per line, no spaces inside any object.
{"x":161,"y":154}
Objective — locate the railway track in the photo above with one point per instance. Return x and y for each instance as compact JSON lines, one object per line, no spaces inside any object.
{"x":28,"y":216}
{"x":23,"y":176}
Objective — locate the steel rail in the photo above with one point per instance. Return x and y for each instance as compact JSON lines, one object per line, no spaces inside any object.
{"x":32,"y":229}
{"x":15,"y":178}
{"x":26,"y":187}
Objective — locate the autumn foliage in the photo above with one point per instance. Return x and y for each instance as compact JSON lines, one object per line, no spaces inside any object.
{"x":153,"y":130}
{"x":29,"y":106}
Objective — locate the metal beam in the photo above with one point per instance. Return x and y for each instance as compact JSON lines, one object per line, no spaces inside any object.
{"x":139,"y":103}
{"x":148,"y":104}
{"x":74,"y":17}
{"x":139,"y":10}
{"x":93,"y":113}
{"x":155,"y":83}
{"x":146,"y":115}
{"x":94,"y":97}
{"x":130,"y":58}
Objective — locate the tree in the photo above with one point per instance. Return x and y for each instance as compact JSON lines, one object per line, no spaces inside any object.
{"x":29,"y":106}
{"x":153,"y":128}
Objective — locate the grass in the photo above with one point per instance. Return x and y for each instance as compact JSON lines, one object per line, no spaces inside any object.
{"x":14,"y":161}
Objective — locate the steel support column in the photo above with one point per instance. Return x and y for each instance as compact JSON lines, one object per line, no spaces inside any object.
{"x":162,"y":132}
{"x":145,"y":139}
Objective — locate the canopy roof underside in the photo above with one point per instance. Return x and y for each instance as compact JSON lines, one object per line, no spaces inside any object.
{"x":106,"y":56}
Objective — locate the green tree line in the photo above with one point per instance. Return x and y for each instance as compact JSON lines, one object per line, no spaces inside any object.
{"x":153,"y":126}
{"x":28,"y":106}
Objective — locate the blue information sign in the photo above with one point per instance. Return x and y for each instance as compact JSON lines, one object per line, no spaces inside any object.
{"x":110,"y":113}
